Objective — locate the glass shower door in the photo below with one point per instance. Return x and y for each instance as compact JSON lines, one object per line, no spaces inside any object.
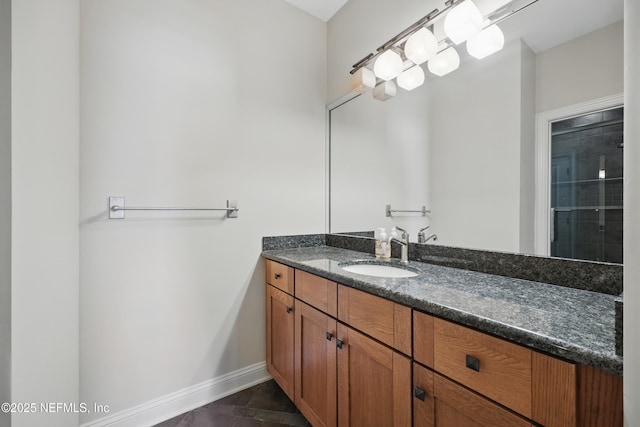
{"x":586,"y":186}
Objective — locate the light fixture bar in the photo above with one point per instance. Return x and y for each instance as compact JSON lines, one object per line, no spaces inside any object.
{"x":431,"y":18}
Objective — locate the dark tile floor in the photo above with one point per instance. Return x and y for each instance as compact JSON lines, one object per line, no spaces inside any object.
{"x":264,"y":405}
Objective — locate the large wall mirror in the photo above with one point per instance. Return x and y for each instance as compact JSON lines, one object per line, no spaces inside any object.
{"x":464,"y":145}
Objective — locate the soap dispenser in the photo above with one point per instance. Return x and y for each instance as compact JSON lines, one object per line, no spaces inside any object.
{"x":381,"y":242}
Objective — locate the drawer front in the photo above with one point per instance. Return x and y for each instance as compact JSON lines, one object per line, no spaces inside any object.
{"x":456,"y":406}
{"x":493,"y":367}
{"x":317,"y":292}
{"x":280,"y":276}
{"x":377,"y":317}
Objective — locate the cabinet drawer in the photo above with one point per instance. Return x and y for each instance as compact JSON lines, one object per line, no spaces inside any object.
{"x":455,"y":406}
{"x":377,"y":317}
{"x":317,"y":292}
{"x":280,"y":276}
{"x":491,"y":366}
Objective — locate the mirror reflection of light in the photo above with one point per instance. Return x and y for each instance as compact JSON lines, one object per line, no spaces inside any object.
{"x":488,"y":41}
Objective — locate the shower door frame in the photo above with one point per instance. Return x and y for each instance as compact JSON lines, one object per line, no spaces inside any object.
{"x":542,"y":230}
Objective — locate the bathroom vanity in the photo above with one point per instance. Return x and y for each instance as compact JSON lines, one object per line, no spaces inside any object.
{"x":447,"y":347}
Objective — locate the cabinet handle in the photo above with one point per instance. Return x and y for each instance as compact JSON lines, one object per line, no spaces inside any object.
{"x":289,"y":310}
{"x":277,"y":276}
{"x":329,"y":336}
{"x":339,"y":343}
{"x":473,"y":363}
{"x":420,"y":393}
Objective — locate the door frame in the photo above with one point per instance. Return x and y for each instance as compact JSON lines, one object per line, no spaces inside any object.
{"x":542,"y":241}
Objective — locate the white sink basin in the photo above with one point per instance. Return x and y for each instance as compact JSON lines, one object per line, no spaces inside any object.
{"x":378,"y":270}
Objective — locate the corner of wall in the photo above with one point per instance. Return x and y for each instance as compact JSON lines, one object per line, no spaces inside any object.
{"x":5,"y":207}
{"x":527,"y":148}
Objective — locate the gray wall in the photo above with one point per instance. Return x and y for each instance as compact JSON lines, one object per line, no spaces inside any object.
{"x":5,"y":207}
{"x":190,"y":104}
{"x":45,"y":236}
{"x":583,"y":69}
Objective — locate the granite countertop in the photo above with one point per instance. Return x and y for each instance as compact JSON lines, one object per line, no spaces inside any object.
{"x":573,"y":324}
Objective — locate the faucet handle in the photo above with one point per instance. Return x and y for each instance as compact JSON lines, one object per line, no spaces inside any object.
{"x":405,"y":234}
{"x":422,"y":230}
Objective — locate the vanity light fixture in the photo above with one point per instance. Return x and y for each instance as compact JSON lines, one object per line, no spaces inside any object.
{"x":411,"y":78}
{"x":421,"y":46}
{"x":362,"y":80}
{"x":463,"y":21}
{"x":385,"y":90}
{"x":388,"y":65}
{"x":488,"y":41}
{"x":445,"y":62}
{"x":401,"y":57}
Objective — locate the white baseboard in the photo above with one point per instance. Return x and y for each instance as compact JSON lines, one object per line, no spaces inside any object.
{"x":173,"y":404}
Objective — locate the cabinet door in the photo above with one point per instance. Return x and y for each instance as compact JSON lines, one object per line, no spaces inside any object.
{"x":456,"y":406}
{"x":374,"y":382}
{"x":280,"y":322}
{"x":315,"y":365}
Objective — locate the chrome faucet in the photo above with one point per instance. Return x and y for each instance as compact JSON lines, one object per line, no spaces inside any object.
{"x":404,"y":243}
{"x":422,"y":237}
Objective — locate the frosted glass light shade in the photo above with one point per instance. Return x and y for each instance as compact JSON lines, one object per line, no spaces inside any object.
{"x":445,"y":62}
{"x":388,"y":65}
{"x":411,"y":78}
{"x":488,"y":41}
{"x":384,"y":91}
{"x":462,"y":22}
{"x":421,"y":46}
{"x":362,"y":80}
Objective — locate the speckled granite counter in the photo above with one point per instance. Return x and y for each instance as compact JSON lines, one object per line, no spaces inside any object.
{"x":573,"y":324}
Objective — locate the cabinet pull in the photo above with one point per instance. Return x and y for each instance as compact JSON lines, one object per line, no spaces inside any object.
{"x":339,"y":343}
{"x":420,"y":393}
{"x":329,"y":336}
{"x":277,"y":276}
{"x":473,"y":363}
{"x":289,"y":309}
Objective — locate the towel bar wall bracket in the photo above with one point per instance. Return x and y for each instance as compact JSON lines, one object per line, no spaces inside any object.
{"x":117,"y":208}
{"x":388,"y":211}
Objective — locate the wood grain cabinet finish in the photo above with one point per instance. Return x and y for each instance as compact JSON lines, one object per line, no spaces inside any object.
{"x":317,"y":292}
{"x":384,"y":320}
{"x":280,"y":276}
{"x":491,"y":366}
{"x":447,"y":404}
{"x":374,"y":383}
{"x":315,"y":365}
{"x":280,"y":339}
{"x":423,"y":338}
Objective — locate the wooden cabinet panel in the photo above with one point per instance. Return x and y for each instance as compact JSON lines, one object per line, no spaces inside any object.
{"x":456,"y":406}
{"x":317,"y":292}
{"x":280,"y":339}
{"x":377,"y":317}
{"x":553,"y":391}
{"x":374,"y":383}
{"x":280,"y":276}
{"x":315,"y":365}
{"x":503,"y":371}
{"x":599,"y":398}
{"x":423,"y":398}
{"x":423,"y":338}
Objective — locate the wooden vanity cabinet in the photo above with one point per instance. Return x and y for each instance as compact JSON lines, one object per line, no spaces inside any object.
{"x":488,"y":378}
{"x":315,"y":365}
{"x":374,"y":382}
{"x":440,"y":402}
{"x":280,"y":339}
{"x":349,"y":358}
